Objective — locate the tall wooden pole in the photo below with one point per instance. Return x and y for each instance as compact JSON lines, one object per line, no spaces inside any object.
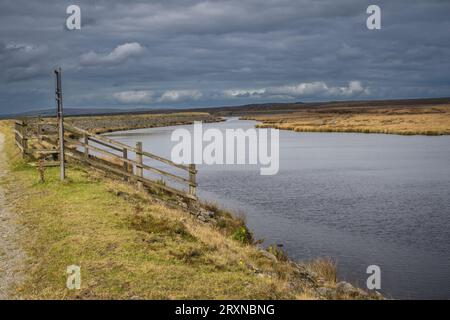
{"x":60,"y":117}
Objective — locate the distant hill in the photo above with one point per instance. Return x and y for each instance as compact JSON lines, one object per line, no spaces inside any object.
{"x":273,"y":107}
{"x":82,"y":112}
{"x":268,"y":108}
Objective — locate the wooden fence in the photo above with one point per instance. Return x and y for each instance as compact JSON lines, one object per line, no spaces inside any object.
{"x":21,"y":136}
{"x":38,"y":139}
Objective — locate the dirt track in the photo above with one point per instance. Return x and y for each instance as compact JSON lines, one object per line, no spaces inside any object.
{"x":11,"y":255}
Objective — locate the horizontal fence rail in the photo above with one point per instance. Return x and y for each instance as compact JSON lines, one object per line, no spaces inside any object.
{"x":116,"y":144}
{"x":105,"y":154}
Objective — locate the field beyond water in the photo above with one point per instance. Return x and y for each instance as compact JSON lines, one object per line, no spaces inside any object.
{"x":130,"y":247}
{"x":406,"y":119}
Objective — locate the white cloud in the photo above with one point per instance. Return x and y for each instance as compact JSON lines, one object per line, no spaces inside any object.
{"x":134,"y":96}
{"x":119,"y":55}
{"x":148,"y":96}
{"x":234,"y":93}
{"x":180,"y":95}
{"x":301,"y":89}
{"x":305,"y":89}
{"x":317,"y":89}
{"x":354,"y":88}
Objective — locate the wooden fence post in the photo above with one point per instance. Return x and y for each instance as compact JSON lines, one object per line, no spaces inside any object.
{"x":139,"y":168}
{"x":192,"y":179}
{"x":125,"y":163}
{"x":86,"y":146}
{"x":41,"y":170}
{"x":24,"y":141}
{"x":39,"y":129}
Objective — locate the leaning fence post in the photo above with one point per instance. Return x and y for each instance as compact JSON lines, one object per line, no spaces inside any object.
{"x":139,"y":163}
{"x":192,"y":179}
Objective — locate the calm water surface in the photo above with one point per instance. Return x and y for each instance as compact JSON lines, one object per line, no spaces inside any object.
{"x":361,"y":199}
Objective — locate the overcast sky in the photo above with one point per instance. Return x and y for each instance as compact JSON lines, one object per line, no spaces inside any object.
{"x":185,"y":53}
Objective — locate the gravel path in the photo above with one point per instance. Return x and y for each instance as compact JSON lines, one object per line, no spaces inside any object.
{"x":11,"y":256}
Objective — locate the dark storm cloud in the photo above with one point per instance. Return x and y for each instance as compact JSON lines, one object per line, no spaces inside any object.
{"x":203,"y":53}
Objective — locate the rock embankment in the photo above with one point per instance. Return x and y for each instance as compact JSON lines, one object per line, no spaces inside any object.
{"x":104,"y":124}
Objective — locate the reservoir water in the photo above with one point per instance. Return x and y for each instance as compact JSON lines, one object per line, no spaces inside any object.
{"x":361,"y":199}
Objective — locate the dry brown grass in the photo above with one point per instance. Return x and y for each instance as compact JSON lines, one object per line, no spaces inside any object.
{"x":424,"y":120}
{"x":325,"y":268}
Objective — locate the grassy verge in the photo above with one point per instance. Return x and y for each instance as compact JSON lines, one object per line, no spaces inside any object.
{"x":129,"y":247}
